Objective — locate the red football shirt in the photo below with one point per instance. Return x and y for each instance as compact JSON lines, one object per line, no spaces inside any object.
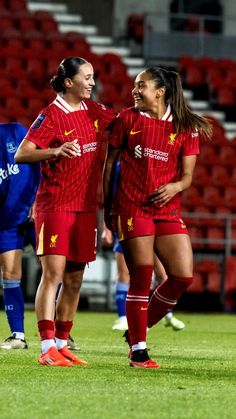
{"x":150,"y":156}
{"x":70,"y":184}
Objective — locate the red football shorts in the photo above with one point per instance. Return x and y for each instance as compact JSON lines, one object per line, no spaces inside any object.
{"x":129,"y":227}
{"x":71,"y":234}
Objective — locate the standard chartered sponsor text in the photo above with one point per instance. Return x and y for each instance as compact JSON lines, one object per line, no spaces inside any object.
{"x":89,"y":147}
{"x":155,"y":154}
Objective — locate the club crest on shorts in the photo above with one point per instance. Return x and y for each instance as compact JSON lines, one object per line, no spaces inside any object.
{"x":53,"y":240}
{"x":130,"y":224}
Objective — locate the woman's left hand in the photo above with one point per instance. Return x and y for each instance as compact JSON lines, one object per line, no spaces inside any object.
{"x":164,"y":193}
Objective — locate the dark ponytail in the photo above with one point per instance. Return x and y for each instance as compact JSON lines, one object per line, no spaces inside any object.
{"x":184,"y":118}
{"x":68,"y":68}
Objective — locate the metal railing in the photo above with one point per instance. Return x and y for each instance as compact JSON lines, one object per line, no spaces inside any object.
{"x":160,"y":42}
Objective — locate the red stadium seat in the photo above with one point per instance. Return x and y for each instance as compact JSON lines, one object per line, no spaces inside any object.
{"x":226,"y":97}
{"x":135,"y":29}
{"x":15,"y":68}
{"x":212,"y":197}
{"x":218,"y":136}
{"x":197,"y":284}
{"x":57,"y":46}
{"x":194,"y":76}
{"x":6,"y":21}
{"x":201,"y":176}
{"x":36,"y":71}
{"x":15,"y":108}
{"x":211,"y":272}
{"x":233,"y":175}
{"x":35,"y":106}
{"x":230,"y":197}
{"x":197,"y":234}
{"x":77,"y":42}
{"x":36,"y":45}
{"x":227,"y":155}
{"x":25,"y":121}
{"x":206,"y":63}
{"x":208,"y":155}
{"x":17,"y":5}
{"x":25,"y":21}
{"x":205,"y":219}
{"x":220,"y":176}
{"x":45,"y":22}
{"x":6,"y":88}
{"x":191,"y":197}
{"x":25,"y":89}
{"x":216,"y":235}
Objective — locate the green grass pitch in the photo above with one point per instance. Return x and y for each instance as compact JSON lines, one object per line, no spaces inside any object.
{"x":197,"y":378}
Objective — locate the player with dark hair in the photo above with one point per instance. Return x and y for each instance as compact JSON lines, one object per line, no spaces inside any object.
{"x":156,"y":141}
{"x":66,"y":138}
{"x":18,"y":186}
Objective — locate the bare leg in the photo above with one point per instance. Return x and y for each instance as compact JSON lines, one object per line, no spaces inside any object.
{"x":69,"y":296}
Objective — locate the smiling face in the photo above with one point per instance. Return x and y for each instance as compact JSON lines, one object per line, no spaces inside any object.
{"x":145,"y":93}
{"x":81,"y":85}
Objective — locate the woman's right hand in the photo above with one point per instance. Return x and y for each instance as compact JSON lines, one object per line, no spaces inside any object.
{"x":69,"y":149}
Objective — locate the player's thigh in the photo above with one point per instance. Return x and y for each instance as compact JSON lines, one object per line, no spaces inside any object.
{"x":175,"y":252}
{"x":11,"y":264}
{"x":53,"y":267}
{"x":138,"y":251}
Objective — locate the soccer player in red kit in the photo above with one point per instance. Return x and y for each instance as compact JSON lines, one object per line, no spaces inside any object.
{"x":66,"y":138}
{"x":156,"y":141}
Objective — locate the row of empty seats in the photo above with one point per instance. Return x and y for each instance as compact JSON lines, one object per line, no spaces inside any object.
{"x":217,"y":76}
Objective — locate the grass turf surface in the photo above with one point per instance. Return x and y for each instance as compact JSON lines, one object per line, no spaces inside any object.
{"x":197,"y":378}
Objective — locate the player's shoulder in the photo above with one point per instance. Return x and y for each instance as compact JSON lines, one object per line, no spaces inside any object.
{"x":129,"y":112}
{"x":97,"y":107}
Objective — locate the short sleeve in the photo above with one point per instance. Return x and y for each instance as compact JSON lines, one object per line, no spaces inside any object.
{"x":41,"y":131}
{"x":191,"y":144}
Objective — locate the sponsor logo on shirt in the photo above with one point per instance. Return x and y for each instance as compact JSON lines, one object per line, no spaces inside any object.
{"x":53,"y":240}
{"x":11,"y":147}
{"x":138,"y":152}
{"x":38,"y":122}
{"x":172,"y":139}
{"x":12,"y":169}
{"x":150,"y":152}
{"x":130,"y":224}
{"x":134,"y":132}
{"x":194,"y":134}
{"x":69,"y":132}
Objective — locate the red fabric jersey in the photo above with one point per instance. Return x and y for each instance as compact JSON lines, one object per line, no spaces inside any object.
{"x":150,"y":157}
{"x":70,"y":184}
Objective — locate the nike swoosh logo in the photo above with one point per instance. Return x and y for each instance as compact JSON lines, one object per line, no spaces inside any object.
{"x":134,"y":132}
{"x":144,"y":308}
{"x":69,"y":132}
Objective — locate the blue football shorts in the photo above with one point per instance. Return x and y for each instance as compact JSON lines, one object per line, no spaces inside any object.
{"x":117,"y":247}
{"x":17,"y":237}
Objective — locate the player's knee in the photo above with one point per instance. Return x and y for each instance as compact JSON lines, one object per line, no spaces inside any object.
{"x":140,"y":279}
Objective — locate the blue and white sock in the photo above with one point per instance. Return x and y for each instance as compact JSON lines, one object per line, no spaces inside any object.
{"x":121,"y":293}
{"x":14,"y":306}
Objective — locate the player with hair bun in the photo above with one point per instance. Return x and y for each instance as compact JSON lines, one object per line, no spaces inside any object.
{"x":66,"y":138}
